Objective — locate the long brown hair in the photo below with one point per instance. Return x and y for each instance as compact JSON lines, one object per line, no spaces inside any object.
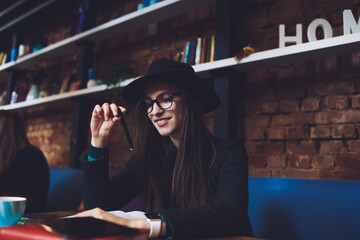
{"x":189,"y":178}
{"x":12,"y":137}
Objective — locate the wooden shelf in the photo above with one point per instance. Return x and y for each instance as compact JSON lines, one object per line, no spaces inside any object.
{"x":54,"y":98}
{"x":68,"y":95}
{"x":304,"y":52}
{"x":154,"y":13}
{"x":340,"y":45}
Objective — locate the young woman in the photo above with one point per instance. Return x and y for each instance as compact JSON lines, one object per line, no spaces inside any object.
{"x":195,"y":183}
{"x":23,"y":168}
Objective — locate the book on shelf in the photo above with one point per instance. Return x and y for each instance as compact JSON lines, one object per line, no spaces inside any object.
{"x":4,"y":59}
{"x":209,"y":47}
{"x":182,"y":53}
{"x":192,"y":52}
{"x":65,"y":84}
{"x":204,"y":41}
{"x":212,"y":48}
{"x":197,"y":50}
{"x":178,"y":56}
{"x":186,"y":52}
{"x":1,"y":57}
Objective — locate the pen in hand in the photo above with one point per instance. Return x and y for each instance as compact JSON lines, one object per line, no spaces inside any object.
{"x":125,"y":129}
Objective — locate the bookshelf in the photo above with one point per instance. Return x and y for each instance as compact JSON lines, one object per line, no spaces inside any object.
{"x":79,"y":44}
{"x":53,"y":98}
{"x":68,"y":95}
{"x":304,"y":52}
{"x":154,"y":13}
{"x":340,"y":45}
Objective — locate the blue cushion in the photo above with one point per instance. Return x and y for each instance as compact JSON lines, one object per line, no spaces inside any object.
{"x":279,"y":208}
{"x":65,"y":190}
{"x":285,"y":208}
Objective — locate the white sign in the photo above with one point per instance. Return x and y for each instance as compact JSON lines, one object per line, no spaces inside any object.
{"x":349,"y":26}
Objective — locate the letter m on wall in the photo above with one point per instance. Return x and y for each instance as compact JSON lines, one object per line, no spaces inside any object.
{"x":349,"y":23}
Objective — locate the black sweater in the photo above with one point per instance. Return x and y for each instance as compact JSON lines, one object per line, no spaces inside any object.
{"x":28,"y":176}
{"x":225,"y":215}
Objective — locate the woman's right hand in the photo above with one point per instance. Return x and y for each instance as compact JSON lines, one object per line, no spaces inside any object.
{"x":103,"y":120}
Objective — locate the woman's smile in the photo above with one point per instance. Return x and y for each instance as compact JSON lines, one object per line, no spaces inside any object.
{"x":162,"y":121}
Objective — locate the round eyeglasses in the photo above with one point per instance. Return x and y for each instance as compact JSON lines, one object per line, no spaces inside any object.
{"x":164,"y":101}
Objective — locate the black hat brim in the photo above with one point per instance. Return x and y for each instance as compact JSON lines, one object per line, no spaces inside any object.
{"x":210,"y":100}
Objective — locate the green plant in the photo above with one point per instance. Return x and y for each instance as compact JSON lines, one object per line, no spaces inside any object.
{"x":119,"y":72}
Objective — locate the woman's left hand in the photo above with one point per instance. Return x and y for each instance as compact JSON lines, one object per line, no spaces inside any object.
{"x":98,"y":213}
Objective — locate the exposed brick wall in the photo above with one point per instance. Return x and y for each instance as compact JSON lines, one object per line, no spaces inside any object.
{"x":302,"y":120}
{"x":314,"y":130}
{"x":49,"y":128}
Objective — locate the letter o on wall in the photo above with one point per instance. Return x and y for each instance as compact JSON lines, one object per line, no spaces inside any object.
{"x":322,"y":23}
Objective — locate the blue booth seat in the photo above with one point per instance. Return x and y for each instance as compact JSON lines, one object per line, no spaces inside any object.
{"x":65,"y":190}
{"x":279,"y":208}
{"x":292,"y":209}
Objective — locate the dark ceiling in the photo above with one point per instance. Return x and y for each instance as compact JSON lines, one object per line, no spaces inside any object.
{"x":14,"y":13}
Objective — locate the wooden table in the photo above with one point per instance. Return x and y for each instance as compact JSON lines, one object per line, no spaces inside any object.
{"x":234,"y":238}
{"x":69,"y":213}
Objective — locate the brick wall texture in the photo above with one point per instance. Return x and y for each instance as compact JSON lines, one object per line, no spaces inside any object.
{"x":296,"y":120}
{"x":301,"y":120}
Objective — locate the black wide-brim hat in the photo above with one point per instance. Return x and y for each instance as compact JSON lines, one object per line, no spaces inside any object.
{"x":165,"y":70}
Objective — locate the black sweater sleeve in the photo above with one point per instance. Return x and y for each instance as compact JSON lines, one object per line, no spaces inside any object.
{"x":227,"y":214}
{"x":100,"y":191}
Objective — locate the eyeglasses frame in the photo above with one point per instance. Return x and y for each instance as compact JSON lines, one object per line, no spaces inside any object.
{"x":171,"y":95}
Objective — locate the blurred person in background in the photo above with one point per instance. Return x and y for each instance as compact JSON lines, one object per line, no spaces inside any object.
{"x":24,"y":170}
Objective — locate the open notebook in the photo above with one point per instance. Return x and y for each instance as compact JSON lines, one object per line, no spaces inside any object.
{"x":127,"y":215}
